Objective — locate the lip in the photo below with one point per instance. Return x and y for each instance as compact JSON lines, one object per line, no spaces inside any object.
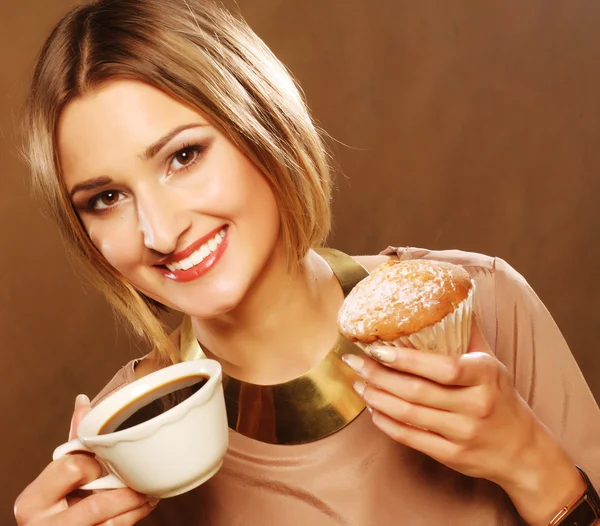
{"x":201,"y":268}
{"x":188,"y":251}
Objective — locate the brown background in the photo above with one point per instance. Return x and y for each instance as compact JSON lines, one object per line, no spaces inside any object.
{"x":464,"y":124}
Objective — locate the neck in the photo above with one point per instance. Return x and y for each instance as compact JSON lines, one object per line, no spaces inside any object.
{"x":284,"y":326}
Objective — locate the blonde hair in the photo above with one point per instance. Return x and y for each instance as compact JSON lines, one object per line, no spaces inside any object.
{"x":208,"y":59}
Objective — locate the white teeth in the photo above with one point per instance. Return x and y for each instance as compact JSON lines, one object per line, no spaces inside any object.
{"x":195,"y":258}
{"x":204,"y":251}
{"x":186,"y":264}
{"x":198,"y":256}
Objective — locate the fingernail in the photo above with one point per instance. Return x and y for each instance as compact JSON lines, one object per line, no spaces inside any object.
{"x":359,"y":387}
{"x":154,"y":501}
{"x":355,"y":362}
{"x":82,"y":400}
{"x":370,"y":409}
{"x":382,"y":354}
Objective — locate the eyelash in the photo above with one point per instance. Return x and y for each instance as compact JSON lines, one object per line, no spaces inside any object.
{"x":196,"y":149}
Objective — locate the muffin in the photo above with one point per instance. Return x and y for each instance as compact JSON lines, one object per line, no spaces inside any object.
{"x":420,"y":304}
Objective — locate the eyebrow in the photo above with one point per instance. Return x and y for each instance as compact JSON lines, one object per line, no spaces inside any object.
{"x":90,"y":184}
{"x":156,"y":147}
{"x":148,"y":154}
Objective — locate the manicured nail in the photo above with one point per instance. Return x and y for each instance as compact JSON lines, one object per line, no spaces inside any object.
{"x":356,"y":362}
{"x":81,"y":400}
{"x":382,"y":354}
{"x":370,"y":409}
{"x":359,"y":387}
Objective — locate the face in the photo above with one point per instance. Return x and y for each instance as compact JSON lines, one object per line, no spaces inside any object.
{"x":166,"y":198}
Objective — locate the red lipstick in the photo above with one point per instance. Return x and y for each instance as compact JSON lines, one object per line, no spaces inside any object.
{"x":201,"y":268}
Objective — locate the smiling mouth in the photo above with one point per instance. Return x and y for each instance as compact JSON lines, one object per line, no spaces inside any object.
{"x":199,"y":255}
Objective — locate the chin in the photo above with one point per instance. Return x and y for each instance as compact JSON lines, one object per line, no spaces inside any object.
{"x":217,"y":302}
{"x":212,"y":309}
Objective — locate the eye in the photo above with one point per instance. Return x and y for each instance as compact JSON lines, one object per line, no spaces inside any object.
{"x":105,"y":200}
{"x":185,"y":158}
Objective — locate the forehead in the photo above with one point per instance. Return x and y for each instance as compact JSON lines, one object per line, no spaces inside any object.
{"x":114,"y":124}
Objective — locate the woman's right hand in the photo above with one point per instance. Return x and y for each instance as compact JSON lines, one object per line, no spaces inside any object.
{"x":48,"y":500}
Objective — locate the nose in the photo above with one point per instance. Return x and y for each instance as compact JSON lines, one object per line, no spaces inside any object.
{"x":161,"y":221}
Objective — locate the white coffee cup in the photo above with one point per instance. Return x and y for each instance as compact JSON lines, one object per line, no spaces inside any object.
{"x":169,"y":454}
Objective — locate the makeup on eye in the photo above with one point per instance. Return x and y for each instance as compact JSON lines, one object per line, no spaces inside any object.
{"x":183,"y":158}
{"x":186,"y":156}
{"x":104,"y":201}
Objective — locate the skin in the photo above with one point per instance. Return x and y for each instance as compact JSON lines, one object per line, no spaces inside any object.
{"x":249,"y":305}
{"x":465,"y":413}
{"x":50,"y":499}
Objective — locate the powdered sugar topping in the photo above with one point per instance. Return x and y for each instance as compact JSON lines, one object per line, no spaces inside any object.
{"x":398,"y":293}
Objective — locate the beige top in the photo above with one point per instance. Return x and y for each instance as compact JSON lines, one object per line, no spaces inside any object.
{"x":360,"y":477}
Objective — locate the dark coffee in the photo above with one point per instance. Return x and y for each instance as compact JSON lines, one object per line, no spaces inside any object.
{"x":152,"y":405}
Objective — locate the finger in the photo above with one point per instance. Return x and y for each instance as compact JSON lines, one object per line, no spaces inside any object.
{"x":453,"y":426}
{"x":478,"y":369}
{"x":104,"y":506}
{"x":82,"y":408}
{"x":75,"y":496}
{"x":435,"y":367}
{"x":421,"y":440}
{"x":58,"y":480}
{"x":478,"y":342}
{"x":409,"y":387}
{"x":466,"y":370}
{"x":131,"y":517}
{"x":474,"y":401}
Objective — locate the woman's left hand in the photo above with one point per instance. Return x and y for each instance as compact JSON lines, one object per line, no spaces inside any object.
{"x":466,"y":413}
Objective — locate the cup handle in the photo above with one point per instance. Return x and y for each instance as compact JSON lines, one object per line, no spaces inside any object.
{"x":107,"y":482}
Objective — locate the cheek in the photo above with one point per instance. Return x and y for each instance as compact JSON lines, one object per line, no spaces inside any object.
{"x":254,"y":199}
{"x":261,"y":200}
{"x":118,"y":242}
{"x":231,"y":187}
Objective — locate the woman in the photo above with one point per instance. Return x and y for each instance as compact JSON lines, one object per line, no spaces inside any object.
{"x":183,"y":167}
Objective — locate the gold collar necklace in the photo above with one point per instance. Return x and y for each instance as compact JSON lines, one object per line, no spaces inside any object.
{"x":312,"y":406}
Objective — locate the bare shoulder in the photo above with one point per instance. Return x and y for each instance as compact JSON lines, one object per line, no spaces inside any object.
{"x":151,"y":363}
{"x":370,"y":263}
